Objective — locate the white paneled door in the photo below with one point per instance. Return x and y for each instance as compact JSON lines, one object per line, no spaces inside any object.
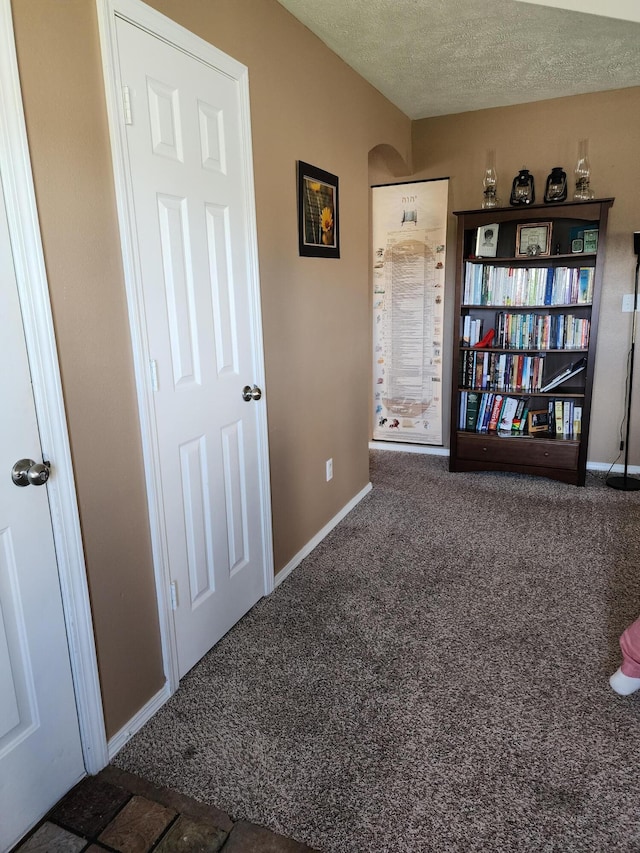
{"x":191,"y":195}
{"x":40,"y":748}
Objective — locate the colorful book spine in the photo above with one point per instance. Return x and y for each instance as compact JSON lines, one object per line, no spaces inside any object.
{"x":473,"y":402}
{"x":577,"y":421}
{"x":495,"y":412}
{"x":558,"y":414}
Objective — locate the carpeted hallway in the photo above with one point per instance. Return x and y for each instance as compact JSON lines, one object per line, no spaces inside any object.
{"x":433,"y":677}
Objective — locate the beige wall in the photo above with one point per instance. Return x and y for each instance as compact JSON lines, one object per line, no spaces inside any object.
{"x":539,"y":136}
{"x":306,"y":105}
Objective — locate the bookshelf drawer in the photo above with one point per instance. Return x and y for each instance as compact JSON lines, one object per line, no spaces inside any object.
{"x":518,"y":451}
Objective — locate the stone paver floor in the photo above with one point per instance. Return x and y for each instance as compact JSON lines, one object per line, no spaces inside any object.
{"x":117,"y":811}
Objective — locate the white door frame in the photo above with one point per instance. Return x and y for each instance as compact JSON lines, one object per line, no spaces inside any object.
{"x":24,"y":230}
{"x":141,"y":15}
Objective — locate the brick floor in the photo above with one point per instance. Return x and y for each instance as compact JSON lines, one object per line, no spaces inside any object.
{"x":117,"y":811}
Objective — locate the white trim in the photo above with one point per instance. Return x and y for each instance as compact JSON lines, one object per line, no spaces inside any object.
{"x":253,"y":273}
{"x":47,"y":389}
{"x":158,"y":25}
{"x":625,"y":10}
{"x":426,"y":449}
{"x":320,"y":535}
{"x":138,"y":720}
{"x":614,"y":469}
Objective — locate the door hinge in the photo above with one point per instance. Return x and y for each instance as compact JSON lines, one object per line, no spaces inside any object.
{"x":153,"y":371}
{"x":173,"y":594}
{"x":126,"y":105}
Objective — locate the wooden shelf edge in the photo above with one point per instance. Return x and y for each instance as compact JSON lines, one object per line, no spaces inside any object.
{"x":519,"y":209}
{"x":493,"y":306}
{"x":569,"y":395}
{"x":515,"y":351}
{"x":528,"y":259}
{"x":491,"y":436}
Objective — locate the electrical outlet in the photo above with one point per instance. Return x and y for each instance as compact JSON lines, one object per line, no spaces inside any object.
{"x":329,"y":469}
{"x":627,"y":303}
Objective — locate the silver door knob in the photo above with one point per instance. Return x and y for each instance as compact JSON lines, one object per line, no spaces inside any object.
{"x":26,"y":472}
{"x":249,"y":393}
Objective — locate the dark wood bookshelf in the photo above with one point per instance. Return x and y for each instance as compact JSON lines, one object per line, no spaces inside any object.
{"x":559,"y":456}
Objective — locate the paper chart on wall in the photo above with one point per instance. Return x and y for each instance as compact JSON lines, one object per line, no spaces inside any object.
{"x":409,"y":239}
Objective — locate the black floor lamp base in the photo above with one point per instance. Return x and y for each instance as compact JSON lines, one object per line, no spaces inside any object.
{"x":624,"y":483}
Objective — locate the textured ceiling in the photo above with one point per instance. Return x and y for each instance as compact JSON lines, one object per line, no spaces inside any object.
{"x":435,"y":57}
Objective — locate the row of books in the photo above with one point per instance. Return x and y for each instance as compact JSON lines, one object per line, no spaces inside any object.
{"x":505,"y":371}
{"x":472,"y":331}
{"x":486,"y":284}
{"x":541,"y":331}
{"x":513,"y":416}
{"x":530,"y":331}
{"x":564,"y":418}
{"x":490,"y":412}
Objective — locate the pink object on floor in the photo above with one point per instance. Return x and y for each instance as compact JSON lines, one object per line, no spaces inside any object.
{"x":630,"y":647}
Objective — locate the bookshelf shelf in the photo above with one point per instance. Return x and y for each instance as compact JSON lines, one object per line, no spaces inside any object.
{"x":484,"y":306}
{"x":543,"y":311}
{"x":576,"y":257}
{"x":522,"y":349}
{"x":565,"y":393}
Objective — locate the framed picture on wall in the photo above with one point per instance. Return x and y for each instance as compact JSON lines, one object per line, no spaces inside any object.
{"x":318,"y":224}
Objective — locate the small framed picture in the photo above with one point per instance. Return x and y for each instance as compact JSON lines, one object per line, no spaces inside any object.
{"x":590,"y":238}
{"x":533,"y":240}
{"x":487,"y":241}
{"x":538,"y":421}
{"x":577,"y":245}
{"x":318,"y":234}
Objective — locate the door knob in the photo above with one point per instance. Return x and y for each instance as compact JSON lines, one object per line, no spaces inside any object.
{"x":26,"y":472}
{"x":249,"y":393}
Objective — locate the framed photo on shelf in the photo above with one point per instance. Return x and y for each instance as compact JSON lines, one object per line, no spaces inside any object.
{"x":487,"y":241}
{"x":533,"y":240}
{"x":318,"y":234}
{"x":538,"y":421}
{"x":590,"y":240}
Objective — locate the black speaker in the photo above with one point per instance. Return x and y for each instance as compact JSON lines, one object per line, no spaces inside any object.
{"x":636,"y":242}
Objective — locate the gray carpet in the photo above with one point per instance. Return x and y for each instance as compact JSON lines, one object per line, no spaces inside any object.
{"x":433,"y":677}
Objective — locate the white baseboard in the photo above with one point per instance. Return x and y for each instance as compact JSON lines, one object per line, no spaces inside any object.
{"x":429,"y":449}
{"x":317,"y":539}
{"x":138,"y":720}
{"x":614,"y":469}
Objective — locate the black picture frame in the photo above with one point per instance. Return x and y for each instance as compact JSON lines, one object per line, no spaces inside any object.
{"x":318,"y":212}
